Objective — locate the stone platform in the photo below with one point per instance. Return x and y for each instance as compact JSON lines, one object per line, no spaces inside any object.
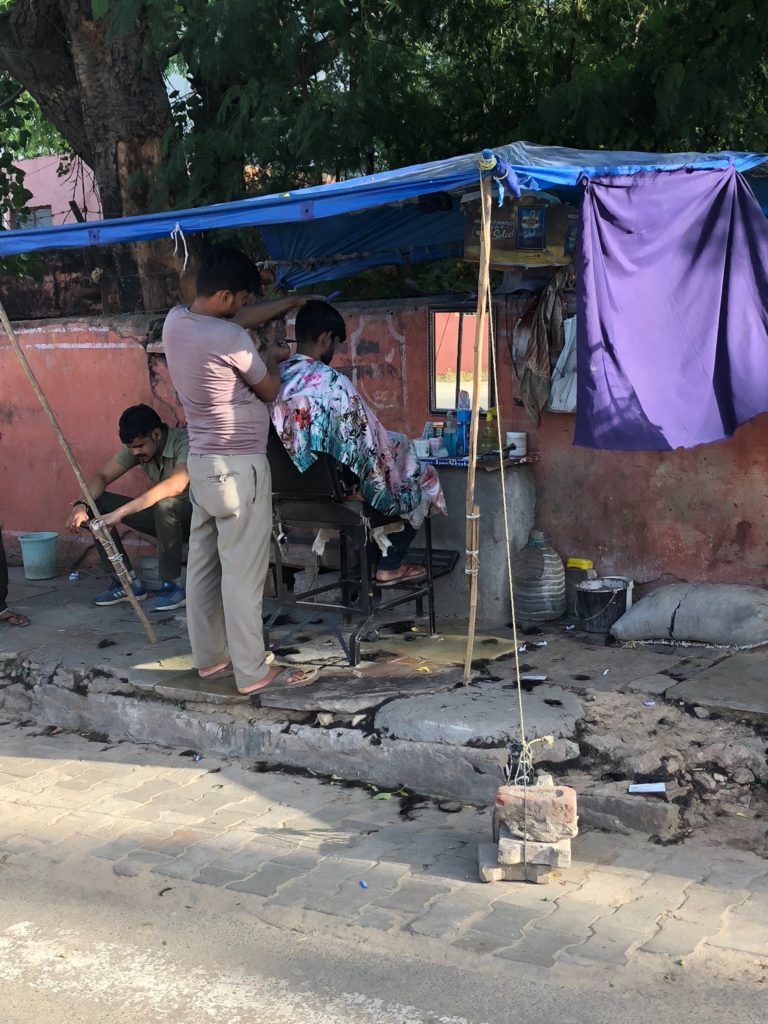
{"x":691,"y":717}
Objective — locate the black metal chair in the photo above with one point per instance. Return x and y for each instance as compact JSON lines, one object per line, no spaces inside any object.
{"x":318,"y":500}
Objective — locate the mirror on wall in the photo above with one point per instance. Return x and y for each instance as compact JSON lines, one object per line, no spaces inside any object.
{"x":451,"y":354}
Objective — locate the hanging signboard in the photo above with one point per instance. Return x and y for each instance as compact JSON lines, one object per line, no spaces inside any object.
{"x":530,"y":232}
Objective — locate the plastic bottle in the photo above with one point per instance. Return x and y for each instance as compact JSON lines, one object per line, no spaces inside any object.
{"x":463,"y":419}
{"x":488,"y":439}
{"x":539,"y":579}
{"x":449,"y":435}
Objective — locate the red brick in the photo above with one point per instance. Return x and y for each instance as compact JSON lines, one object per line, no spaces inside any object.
{"x":548,"y":813}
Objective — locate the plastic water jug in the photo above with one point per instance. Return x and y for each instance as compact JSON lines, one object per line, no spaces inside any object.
{"x":539,"y":581}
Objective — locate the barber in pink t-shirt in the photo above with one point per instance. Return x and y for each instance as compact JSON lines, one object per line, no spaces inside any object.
{"x":224,"y":384}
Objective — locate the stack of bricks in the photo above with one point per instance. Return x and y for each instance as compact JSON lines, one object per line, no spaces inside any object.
{"x":535,"y":828}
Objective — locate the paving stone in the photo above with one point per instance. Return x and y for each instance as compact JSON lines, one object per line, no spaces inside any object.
{"x":707,"y":905}
{"x":734,"y":875}
{"x":315,"y":889}
{"x":743,"y":931}
{"x":222,"y":819}
{"x":451,"y":913}
{"x":132,"y":839}
{"x":216,"y":874}
{"x":608,"y":887}
{"x":190,"y":863}
{"x":540,"y":946}
{"x":657,"y":897}
{"x":676,"y":937}
{"x":144,"y":793}
{"x":270,"y":876}
{"x":134,"y":865}
{"x":506,"y":921}
{"x":351,"y":898}
{"x":573,"y":918}
{"x":177,"y":842}
{"x":378,"y":918}
{"x":608,"y":944}
{"x":412,"y":897}
{"x":482,"y":942}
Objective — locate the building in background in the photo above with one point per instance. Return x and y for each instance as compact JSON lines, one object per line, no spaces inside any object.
{"x":56,"y":183}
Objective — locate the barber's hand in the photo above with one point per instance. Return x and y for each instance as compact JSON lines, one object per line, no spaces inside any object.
{"x":112,"y":518}
{"x":78,"y":517}
{"x":279,"y":350}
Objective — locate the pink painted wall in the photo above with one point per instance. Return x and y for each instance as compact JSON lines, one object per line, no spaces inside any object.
{"x":694,"y":515}
{"x":41,"y":178}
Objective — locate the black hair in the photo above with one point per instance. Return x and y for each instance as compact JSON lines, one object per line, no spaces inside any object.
{"x":138,"y":421}
{"x":227,"y":269}
{"x":315,"y":318}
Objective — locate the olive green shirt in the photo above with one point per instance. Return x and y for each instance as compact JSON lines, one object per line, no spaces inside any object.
{"x":175,"y":453}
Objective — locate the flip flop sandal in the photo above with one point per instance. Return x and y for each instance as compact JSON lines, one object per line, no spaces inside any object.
{"x":225,"y":669}
{"x":415,"y":576}
{"x":307,"y":677}
{"x":11,"y":618}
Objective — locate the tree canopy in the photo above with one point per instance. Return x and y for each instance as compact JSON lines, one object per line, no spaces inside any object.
{"x":267,"y":95}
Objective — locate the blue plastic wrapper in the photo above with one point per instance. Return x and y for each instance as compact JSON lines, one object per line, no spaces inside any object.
{"x":74,"y":577}
{"x":363,"y":885}
{"x":198,"y":757}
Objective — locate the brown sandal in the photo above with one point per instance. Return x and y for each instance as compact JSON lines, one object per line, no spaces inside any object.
{"x":410,"y":574}
{"x":12,"y":618}
{"x":304,"y":678}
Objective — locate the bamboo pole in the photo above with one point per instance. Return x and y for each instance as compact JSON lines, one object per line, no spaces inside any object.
{"x":99,"y":530}
{"x":472,"y":509}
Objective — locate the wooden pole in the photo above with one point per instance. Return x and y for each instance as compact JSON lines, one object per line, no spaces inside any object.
{"x":99,"y":530}
{"x":472,"y":509}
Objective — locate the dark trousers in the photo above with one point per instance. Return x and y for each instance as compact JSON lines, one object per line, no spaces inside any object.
{"x":400,"y":541}
{"x":3,"y":577}
{"x":168,"y":521}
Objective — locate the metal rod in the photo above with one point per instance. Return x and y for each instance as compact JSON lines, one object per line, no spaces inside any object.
{"x":98,"y":529}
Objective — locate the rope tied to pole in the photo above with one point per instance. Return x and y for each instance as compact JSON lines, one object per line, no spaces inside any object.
{"x":178,"y":235}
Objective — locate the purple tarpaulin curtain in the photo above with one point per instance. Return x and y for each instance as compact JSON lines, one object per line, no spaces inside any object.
{"x":672,"y":310}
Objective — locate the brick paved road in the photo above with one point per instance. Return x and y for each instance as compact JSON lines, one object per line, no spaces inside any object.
{"x":296,"y":850}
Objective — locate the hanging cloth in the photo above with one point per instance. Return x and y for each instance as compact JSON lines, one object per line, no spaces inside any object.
{"x":672,"y":310}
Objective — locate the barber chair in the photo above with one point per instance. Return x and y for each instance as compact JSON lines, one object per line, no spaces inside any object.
{"x":318,"y":500}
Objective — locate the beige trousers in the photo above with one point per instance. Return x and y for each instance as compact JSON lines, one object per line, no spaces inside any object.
{"x":229,"y":547}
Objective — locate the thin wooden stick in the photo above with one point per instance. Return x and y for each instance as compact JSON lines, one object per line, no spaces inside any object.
{"x":99,"y":530}
{"x":472,"y":509}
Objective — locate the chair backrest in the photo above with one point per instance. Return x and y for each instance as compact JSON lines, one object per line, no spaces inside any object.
{"x":320,"y":482}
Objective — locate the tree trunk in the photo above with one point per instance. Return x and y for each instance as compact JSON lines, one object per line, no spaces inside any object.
{"x":106,"y":95}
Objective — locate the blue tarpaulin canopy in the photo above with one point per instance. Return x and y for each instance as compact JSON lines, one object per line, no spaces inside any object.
{"x":310,"y":232}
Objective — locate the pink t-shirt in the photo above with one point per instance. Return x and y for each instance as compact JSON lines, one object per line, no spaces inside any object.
{"x":212,"y":362}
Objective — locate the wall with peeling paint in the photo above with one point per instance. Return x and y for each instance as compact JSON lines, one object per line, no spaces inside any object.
{"x":693,"y":515}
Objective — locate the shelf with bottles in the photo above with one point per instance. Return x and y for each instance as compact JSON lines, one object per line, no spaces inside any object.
{"x":489,"y":461}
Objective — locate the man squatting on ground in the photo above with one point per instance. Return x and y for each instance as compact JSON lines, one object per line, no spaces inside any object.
{"x":164,"y":511}
{"x":224,"y":385}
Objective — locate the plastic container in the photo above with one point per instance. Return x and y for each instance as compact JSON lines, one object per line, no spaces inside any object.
{"x":39,"y":553}
{"x":518,"y":442}
{"x":600,"y":603}
{"x":539,"y":578}
{"x":576,"y":571}
{"x":463,"y":420}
